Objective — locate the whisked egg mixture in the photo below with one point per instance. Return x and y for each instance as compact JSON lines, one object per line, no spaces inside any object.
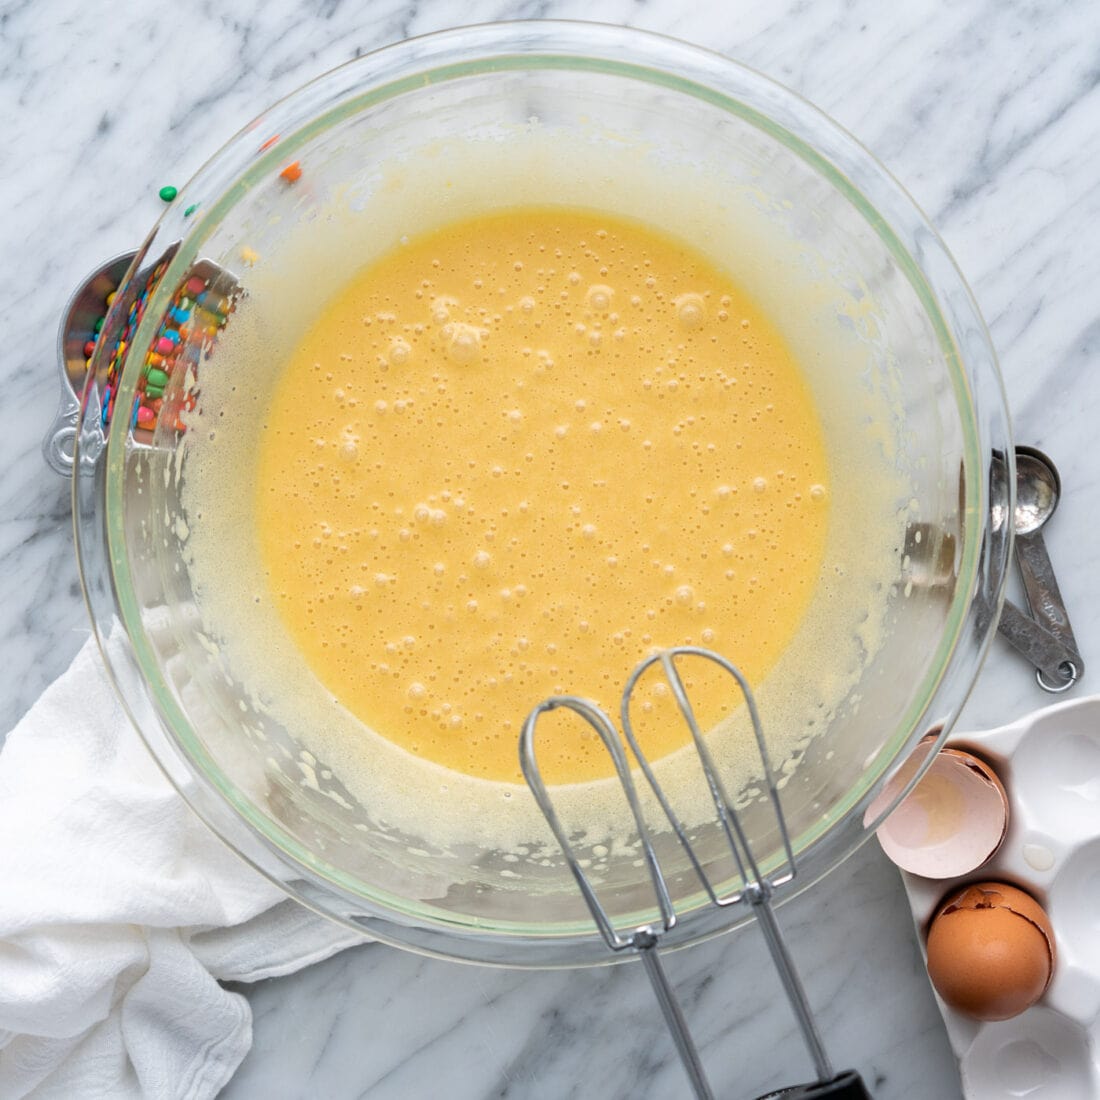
{"x":515,"y":455}
{"x":512,"y":455}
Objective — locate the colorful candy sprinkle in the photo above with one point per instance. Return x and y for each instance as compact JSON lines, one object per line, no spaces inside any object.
{"x":175,"y":345}
{"x":292,"y":172}
{"x":168,"y":193}
{"x":268,"y":144}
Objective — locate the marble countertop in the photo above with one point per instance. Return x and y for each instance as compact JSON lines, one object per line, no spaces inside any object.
{"x":989,"y":112}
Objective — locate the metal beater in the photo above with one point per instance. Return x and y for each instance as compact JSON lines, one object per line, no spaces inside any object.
{"x":755,"y":888}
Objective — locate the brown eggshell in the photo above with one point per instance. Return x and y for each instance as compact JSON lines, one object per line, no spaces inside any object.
{"x":990,"y":951}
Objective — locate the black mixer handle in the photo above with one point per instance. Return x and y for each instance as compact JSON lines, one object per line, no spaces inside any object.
{"x":846,"y":1085}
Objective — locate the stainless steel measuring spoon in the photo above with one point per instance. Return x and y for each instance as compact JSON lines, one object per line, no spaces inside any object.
{"x":1047,"y":639}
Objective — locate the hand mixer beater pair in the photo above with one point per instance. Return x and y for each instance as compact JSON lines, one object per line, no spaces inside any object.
{"x":754,"y":888}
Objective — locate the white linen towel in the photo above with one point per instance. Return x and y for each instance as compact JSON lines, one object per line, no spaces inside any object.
{"x":120,"y":912}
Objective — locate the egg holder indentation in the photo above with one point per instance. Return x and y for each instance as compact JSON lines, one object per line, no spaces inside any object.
{"x":1049,"y":763}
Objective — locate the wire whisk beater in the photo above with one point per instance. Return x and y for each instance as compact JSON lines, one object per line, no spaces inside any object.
{"x":750,"y":885}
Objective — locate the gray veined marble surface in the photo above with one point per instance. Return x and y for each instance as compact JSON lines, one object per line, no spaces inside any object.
{"x":988,"y":111}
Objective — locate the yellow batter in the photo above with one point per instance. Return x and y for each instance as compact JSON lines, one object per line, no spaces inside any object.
{"x":516,"y":455}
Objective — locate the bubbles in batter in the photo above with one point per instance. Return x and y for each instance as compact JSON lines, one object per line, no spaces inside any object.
{"x":529,"y":505}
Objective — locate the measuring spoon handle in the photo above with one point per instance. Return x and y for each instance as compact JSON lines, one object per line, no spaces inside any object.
{"x":1042,"y":648}
{"x":1043,"y":595}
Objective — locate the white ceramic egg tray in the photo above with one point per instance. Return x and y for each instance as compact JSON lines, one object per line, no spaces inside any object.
{"x":1049,"y":763}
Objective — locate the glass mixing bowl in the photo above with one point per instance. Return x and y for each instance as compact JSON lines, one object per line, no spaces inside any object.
{"x":482,"y":118}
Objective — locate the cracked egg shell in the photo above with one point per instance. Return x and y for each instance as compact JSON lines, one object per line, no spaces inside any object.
{"x":991,"y":951}
{"x":953,"y":820}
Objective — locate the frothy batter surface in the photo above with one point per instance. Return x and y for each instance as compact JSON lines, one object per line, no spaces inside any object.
{"x":514,"y":456}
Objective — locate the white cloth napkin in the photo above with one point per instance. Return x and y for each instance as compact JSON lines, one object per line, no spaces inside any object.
{"x":120,"y":912}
